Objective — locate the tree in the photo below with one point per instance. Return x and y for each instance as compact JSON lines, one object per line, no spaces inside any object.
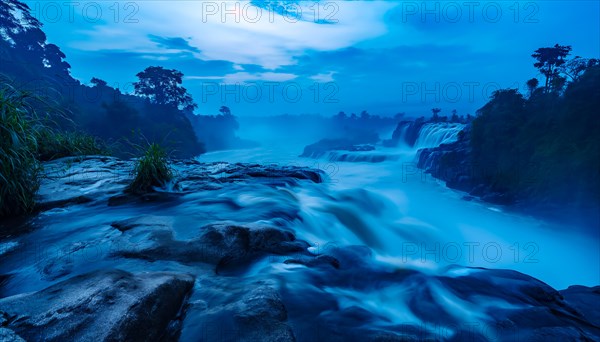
{"x":225,"y":110}
{"x":54,"y":58}
{"x":558,"y":83}
{"x":98,"y":82}
{"x":435,"y":117}
{"x":532,"y":85}
{"x":163,"y":86}
{"x":341,"y":116}
{"x":364,"y":115}
{"x":549,"y":59}
{"x":454,"y":117}
{"x":575,"y":67}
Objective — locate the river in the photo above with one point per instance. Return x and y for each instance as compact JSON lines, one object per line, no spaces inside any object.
{"x":412,"y":220}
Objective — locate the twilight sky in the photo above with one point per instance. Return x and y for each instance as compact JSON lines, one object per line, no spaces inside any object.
{"x":276,"y":57}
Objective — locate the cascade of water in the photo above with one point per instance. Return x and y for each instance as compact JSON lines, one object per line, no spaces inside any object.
{"x":403,"y":131}
{"x":435,"y":134}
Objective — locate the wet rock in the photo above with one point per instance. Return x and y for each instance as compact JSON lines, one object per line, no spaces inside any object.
{"x":254,"y":313}
{"x":473,"y":304}
{"x":109,"y":305}
{"x":532,"y":310}
{"x":7,"y":335}
{"x":65,"y":202}
{"x":260,"y":315}
{"x":452,"y":164}
{"x":150,"y":197}
{"x":586,"y":300}
{"x":102,"y":180}
{"x":150,"y":238}
{"x":72,"y":181}
{"x":225,"y":245}
{"x":320,"y":260}
{"x":237,"y":246}
{"x":211,"y":175}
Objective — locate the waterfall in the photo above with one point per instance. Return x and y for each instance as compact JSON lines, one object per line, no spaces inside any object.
{"x":435,"y":134}
{"x":403,"y":131}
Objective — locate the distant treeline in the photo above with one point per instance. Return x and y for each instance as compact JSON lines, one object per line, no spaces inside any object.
{"x":218,"y":132}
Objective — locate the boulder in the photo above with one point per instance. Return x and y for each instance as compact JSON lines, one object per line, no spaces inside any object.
{"x":110,"y":305}
{"x":226,"y":245}
{"x":254,"y":312}
{"x":7,"y":335}
{"x":586,"y":300}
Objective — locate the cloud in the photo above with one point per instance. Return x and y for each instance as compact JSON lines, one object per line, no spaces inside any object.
{"x":175,"y":43}
{"x":229,"y":32}
{"x":246,"y":77}
{"x":323,"y":78}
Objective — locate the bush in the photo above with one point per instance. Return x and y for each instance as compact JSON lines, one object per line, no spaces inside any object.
{"x":55,"y":144}
{"x":151,"y":170}
{"x":25,"y":140}
{"x":19,"y":168}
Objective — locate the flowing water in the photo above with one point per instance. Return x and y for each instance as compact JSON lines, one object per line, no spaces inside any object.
{"x":412,"y":220}
{"x":407,"y":219}
{"x":435,"y":134}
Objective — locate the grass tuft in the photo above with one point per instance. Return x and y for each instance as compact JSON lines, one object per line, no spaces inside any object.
{"x":151,"y":170}
{"x":56,"y":144}
{"x":19,"y":168}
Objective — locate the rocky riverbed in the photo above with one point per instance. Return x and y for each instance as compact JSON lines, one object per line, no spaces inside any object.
{"x":216,"y":256}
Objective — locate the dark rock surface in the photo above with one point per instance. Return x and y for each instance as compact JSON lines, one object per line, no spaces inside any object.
{"x":226,"y":245}
{"x":99,"y":179}
{"x":7,"y":335}
{"x":486,"y":304}
{"x":251,"y":313}
{"x":586,"y":300}
{"x":100,"y":306}
{"x":452,"y":164}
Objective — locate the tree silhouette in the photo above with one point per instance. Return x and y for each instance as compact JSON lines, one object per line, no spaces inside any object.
{"x":225,"y":110}
{"x":577,"y":66}
{"x":558,"y":83}
{"x":98,"y":82}
{"x":532,"y":85}
{"x":435,"y":117}
{"x":163,"y":86}
{"x":341,"y":116}
{"x":454,"y":117}
{"x":549,"y":59}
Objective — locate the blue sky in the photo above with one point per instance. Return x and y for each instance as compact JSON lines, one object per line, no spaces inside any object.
{"x":275,"y":57}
